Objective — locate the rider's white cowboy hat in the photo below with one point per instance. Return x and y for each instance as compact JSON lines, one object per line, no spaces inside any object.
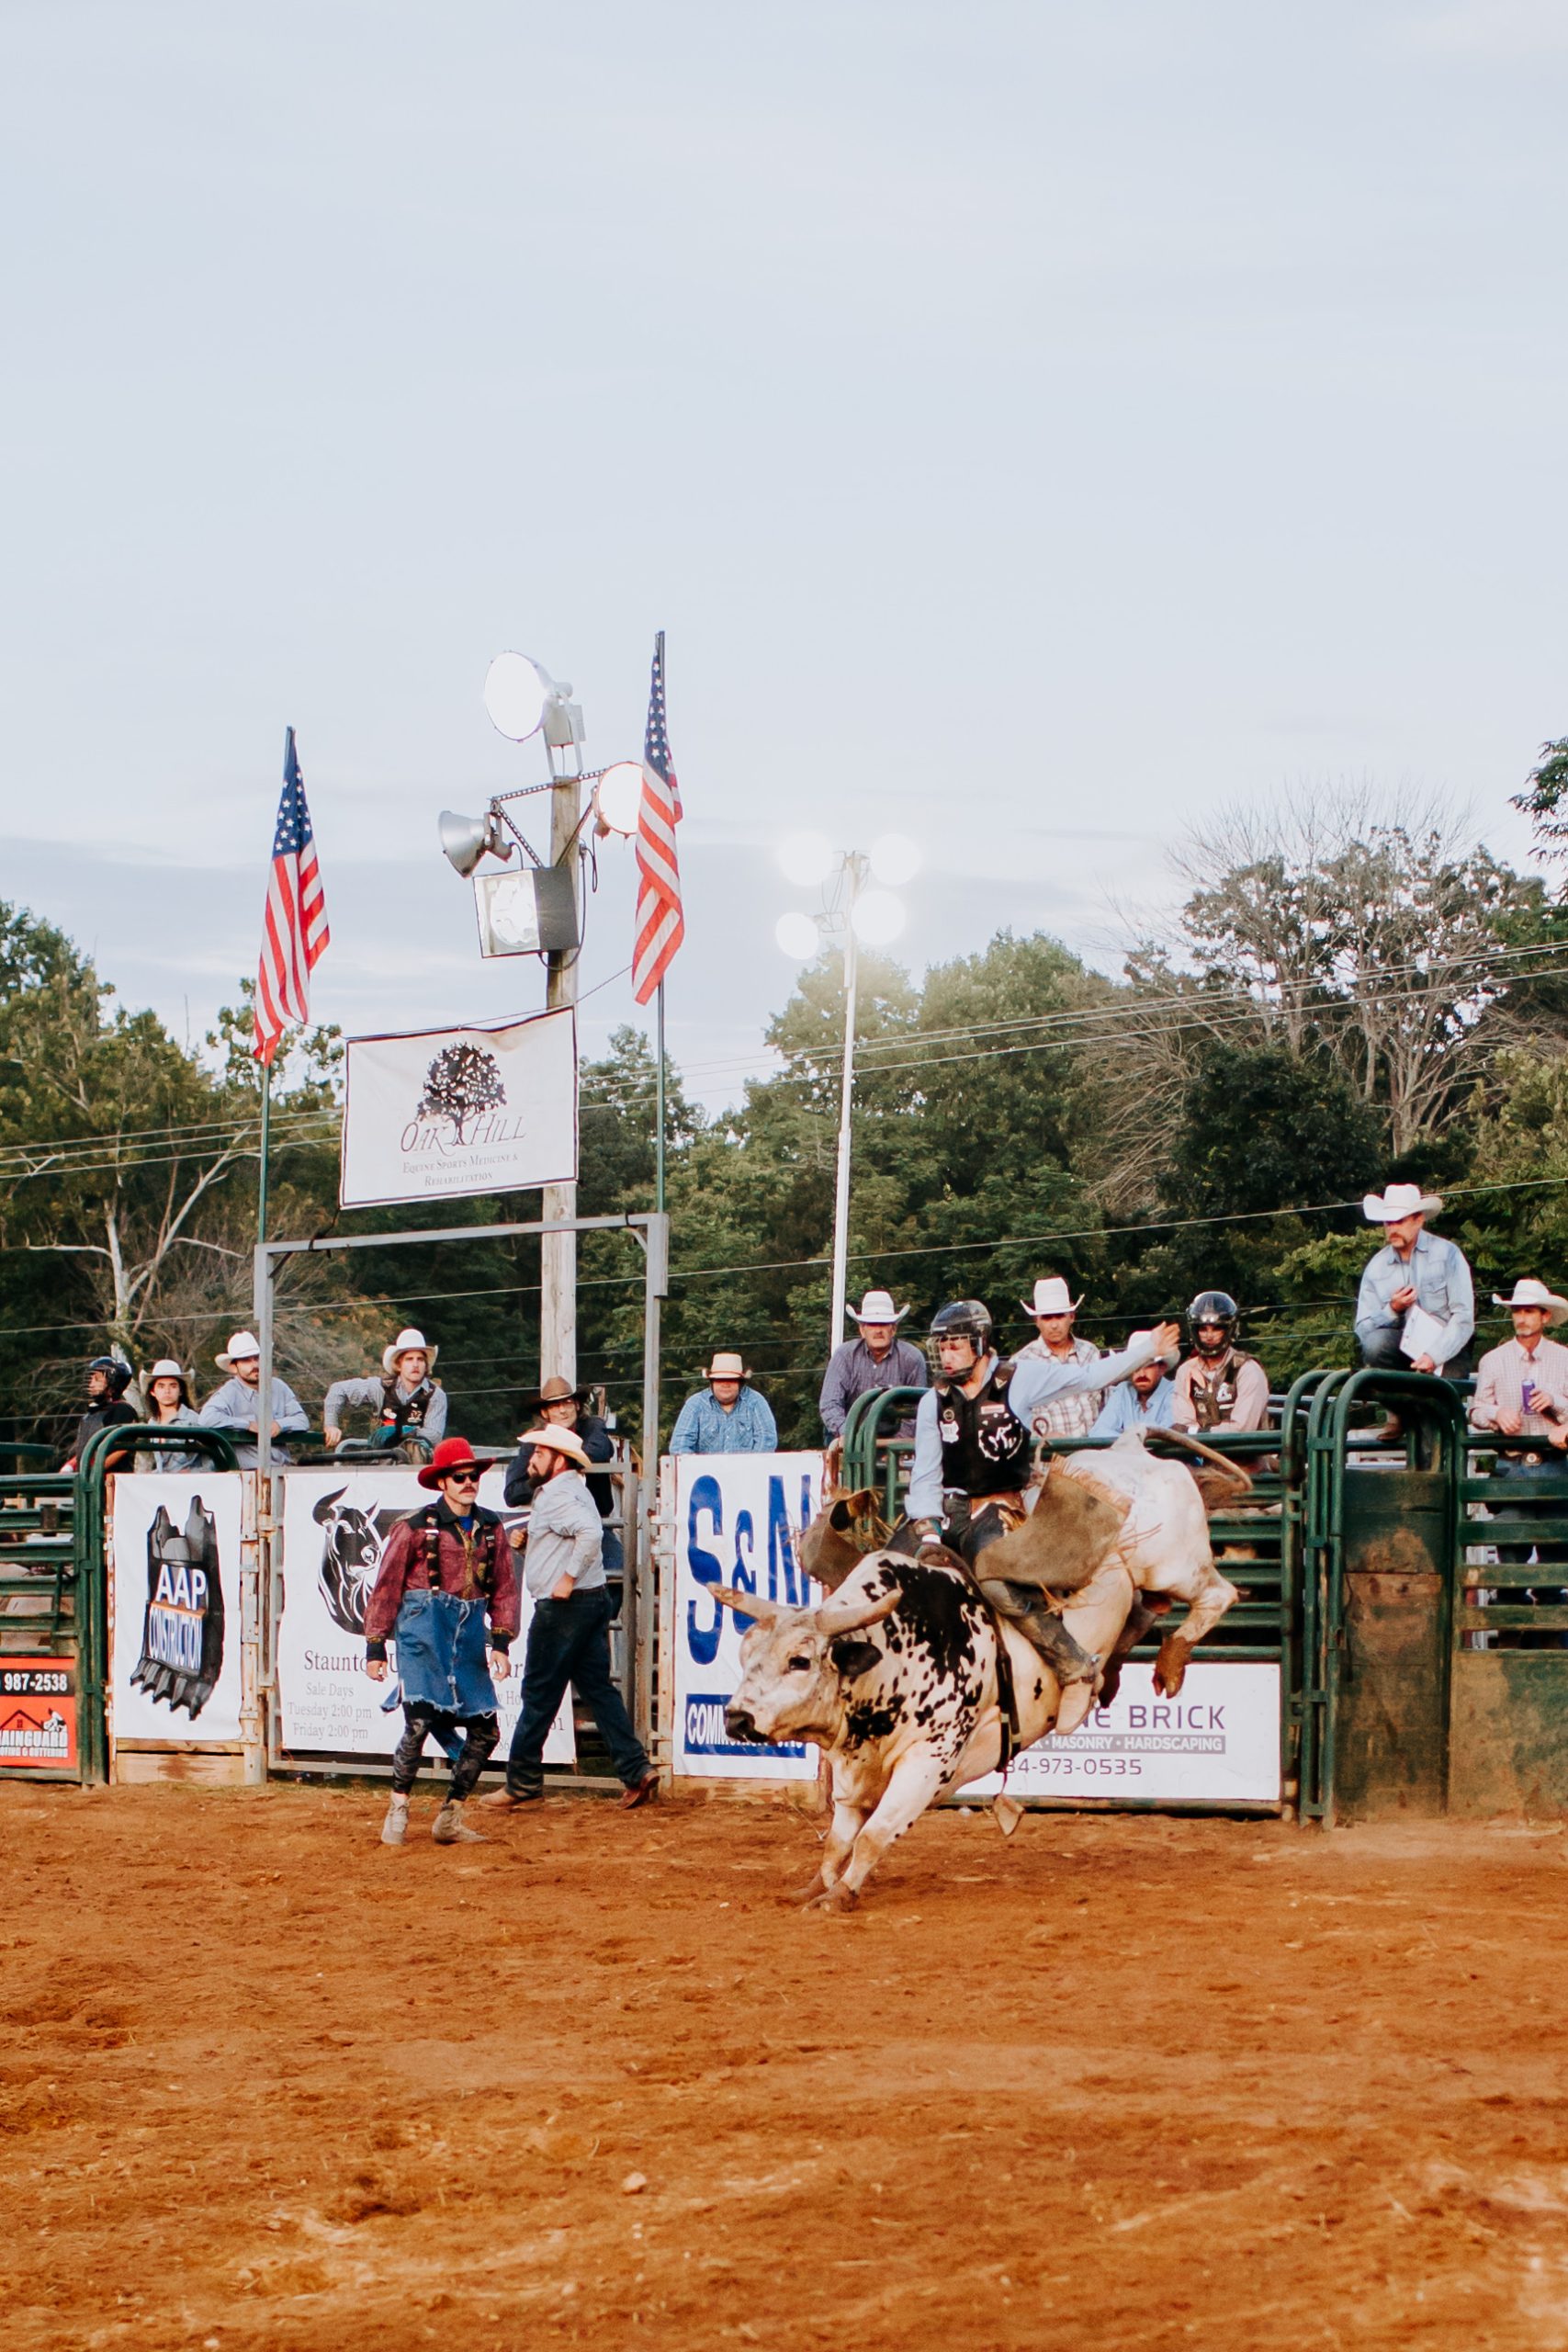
{"x":559,"y":1441}
{"x":1399,"y":1200}
{"x":242,"y":1345}
{"x":1528,"y":1292}
{"x":1051,"y":1298}
{"x":877,"y":1306}
{"x":727,"y":1365}
{"x":401,"y":1346}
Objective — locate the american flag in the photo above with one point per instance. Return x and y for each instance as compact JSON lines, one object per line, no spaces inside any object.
{"x":294,"y":929}
{"x":661,"y":926}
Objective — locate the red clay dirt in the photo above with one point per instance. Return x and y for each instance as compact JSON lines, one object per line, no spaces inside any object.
{"x":1123,"y":2081}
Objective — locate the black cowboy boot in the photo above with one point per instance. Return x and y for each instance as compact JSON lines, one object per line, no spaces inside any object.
{"x":1023,"y":1604}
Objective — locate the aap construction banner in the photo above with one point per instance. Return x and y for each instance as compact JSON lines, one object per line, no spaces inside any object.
{"x":449,"y":1112}
{"x":334,"y":1524}
{"x":175,"y":1670}
{"x":1218,"y":1742}
{"x":739,"y":1521}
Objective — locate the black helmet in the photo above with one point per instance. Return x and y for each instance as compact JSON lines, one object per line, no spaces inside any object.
{"x":119,"y":1374}
{"x":1215,"y":1307}
{"x":964,"y":1318}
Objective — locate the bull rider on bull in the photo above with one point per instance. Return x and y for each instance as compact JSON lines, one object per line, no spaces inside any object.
{"x":974,"y":1452}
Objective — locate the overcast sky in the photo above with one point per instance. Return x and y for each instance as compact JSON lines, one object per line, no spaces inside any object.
{"x":1034,"y":426}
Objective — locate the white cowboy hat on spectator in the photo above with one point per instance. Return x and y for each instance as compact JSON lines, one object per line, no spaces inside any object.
{"x":877,"y":1306}
{"x":727,"y":1365}
{"x":1051,"y":1298}
{"x":167,"y":1369}
{"x":559,"y":1441}
{"x":1528,"y":1292}
{"x":242,"y":1344}
{"x":1399,"y":1200}
{"x":401,"y":1346}
{"x":1171,"y":1355}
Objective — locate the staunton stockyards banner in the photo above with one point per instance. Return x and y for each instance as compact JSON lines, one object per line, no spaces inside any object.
{"x":446,"y":1113}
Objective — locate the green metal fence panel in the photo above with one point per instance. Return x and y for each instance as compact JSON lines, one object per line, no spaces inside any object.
{"x":1508,"y":1736}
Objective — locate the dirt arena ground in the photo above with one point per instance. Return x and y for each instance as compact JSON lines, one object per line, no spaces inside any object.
{"x":1120,"y":2082}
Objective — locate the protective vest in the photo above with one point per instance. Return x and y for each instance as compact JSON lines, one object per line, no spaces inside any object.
{"x":984,"y":1451}
{"x":1214,"y":1404}
{"x":480,"y":1562}
{"x":400,"y":1413}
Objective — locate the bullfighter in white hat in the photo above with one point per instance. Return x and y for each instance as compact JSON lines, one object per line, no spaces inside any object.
{"x":877,"y":1358}
{"x":1415,"y":1273}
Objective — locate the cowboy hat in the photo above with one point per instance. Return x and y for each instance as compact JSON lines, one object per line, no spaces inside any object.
{"x":558,"y":1441}
{"x":242,"y":1346}
{"x":877,"y":1306}
{"x":401,"y":1347}
{"x":1399,"y":1200}
{"x":727,"y":1365}
{"x":1051,"y":1298}
{"x":1528,"y":1292}
{"x":553,"y":1391}
{"x":451,"y":1453}
{"x":167,"y":1369}
{"x":1171,"y":1355}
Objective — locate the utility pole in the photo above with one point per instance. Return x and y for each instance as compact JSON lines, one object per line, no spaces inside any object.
{"x":854,"y":879}
{"x":557,"y":1251}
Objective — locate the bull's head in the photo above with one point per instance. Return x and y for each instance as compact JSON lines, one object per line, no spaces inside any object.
{"x":794,"y":1663}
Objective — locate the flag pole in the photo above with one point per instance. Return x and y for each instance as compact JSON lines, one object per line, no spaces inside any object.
{"x":659,"y":1112}
{"x":265,"y":1133}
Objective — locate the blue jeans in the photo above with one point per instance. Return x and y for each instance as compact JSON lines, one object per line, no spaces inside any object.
{"x":568,"y":1644}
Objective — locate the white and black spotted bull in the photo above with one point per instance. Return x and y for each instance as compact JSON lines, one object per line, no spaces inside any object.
{"x":895,"y":1679}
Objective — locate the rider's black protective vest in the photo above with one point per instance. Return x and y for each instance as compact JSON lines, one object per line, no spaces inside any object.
{"x":984,"y":1451}
{"x":400,"y":1413}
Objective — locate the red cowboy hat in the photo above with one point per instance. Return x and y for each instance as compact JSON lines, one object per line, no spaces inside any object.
{"x":451,"y":1453}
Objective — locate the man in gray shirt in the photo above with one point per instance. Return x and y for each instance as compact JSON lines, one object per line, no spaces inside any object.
{"x":568,"y":1638}
{"x":235,"y":1406}
{"x":878,"y":1359}
{"x":404,"y":1397}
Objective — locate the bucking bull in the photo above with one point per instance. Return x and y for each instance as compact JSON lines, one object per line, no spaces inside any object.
{"x":948,"y":1689}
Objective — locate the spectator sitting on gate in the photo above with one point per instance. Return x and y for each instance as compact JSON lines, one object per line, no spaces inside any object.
{"x":108,"y":1380}
{"x":1416,"y":1272}
{"x":234,"y":1406}
{"x":403,"y":1397}
{"x":1145,"y":1399}
{"x":557,"y":1405}
{"x":169,"y":1402}
{"x":1521,"y":1392}
{"x":1218,"y":1387}
{"x":727,"y":1416}
{"x":1052,"y":1311}
{"x":877,"y":1358}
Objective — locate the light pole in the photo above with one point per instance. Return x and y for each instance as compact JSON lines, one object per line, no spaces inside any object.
{"x":855,"y":912}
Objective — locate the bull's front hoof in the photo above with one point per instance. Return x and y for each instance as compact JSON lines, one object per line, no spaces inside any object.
{"x":1170,"y":1667}
{"x":835,"y":1899}
{"x":808,"y":1893}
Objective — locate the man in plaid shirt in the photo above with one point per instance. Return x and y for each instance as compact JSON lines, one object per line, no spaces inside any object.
{"x":1052,"y":1314}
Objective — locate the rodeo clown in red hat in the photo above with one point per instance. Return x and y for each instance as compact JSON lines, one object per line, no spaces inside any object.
{"x":445,"y":1567}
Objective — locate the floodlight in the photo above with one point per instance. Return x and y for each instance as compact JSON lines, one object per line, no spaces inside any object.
{"x":517,"y":691}
{"x":465,"y":840}
{"x":619,"y":795}
{"x":806,"y":858}
{"x":798,"y":936}
{"x":877,"y":917}
{"x":894,"y":860}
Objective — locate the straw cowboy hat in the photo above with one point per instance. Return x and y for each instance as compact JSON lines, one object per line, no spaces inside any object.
{"x":558,"y":1441}
{"x":401,"y":1346}
{"x":240,"y":1347}
{"x":1051,"y":1298}
{"x":877,"y":1306}
{"x":555,"y":1391}
{"x":1399,"y":1200}
{"x":167,"y":1369}
{"x":727,"y":1365}
{"x":1528,"y":1292}
{"x":451,"y":1453}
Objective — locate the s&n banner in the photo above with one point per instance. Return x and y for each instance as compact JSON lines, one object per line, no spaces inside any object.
{"x":739,"y":1521}
{"x":448,"y":1112}
{"x":175,"y":1676}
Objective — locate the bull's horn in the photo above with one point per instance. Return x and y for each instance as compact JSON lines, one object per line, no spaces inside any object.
{"x":849,"y":1616}
{"x":748,"y":1604}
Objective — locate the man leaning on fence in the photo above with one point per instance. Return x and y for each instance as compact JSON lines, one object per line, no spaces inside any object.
{"x":877,"y":1358}
{"x":1051,"y":1311}
{"x":727,"y":1416}
{"x":1522,"y":1394}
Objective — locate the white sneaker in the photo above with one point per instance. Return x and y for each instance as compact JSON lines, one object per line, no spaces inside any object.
{"x":395,"y":1828}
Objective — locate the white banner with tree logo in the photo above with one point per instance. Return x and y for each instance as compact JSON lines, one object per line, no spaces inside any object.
{"x":443,"y":1113}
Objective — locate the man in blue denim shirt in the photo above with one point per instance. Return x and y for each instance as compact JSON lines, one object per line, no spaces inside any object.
{"x":1416,"y":1269}
{"x":727,"y":1416}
